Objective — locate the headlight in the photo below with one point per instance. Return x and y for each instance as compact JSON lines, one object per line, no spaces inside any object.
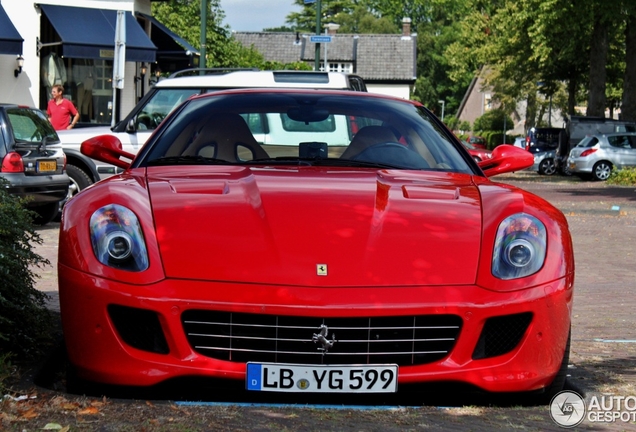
{"x":117,"y":238}
{"x":520,"y":247}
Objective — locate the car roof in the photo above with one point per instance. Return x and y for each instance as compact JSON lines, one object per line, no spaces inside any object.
{"x":225,"y":78}
{"x":287,"y":90}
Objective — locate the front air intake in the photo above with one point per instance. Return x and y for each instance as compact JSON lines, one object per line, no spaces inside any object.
{"x":139,"y":328}
{"x":501,"y":335}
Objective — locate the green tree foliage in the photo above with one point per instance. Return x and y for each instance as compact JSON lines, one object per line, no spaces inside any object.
{"x":24,"y":319}
{"x":184,"y":18}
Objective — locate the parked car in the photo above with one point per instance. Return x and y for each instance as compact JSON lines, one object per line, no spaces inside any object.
{"x":596,"y":155}
{"x":477,"y":154}
{"x":542,"y":143}
{"x":544,"y":162}
{"x":33,"y":162}
{"x":579,"y":127}
{"x":135,"y":129}
{"x":520,"y":142}
{"x":315,"y":267}
{"x":477,"y":142}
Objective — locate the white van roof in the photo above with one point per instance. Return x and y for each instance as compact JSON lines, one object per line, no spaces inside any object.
{"x":228,"y":78}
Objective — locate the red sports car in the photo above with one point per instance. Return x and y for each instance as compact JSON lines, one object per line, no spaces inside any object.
{"x":256,"y":238}
{"x":477,"y":153}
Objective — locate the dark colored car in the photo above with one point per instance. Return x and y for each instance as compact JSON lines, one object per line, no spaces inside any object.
{"x":33,"y":162}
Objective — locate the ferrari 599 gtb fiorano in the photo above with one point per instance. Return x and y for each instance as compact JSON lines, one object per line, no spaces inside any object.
{"x":313,"y":241}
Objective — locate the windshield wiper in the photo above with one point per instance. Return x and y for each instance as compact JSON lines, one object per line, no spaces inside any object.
{"x":187,"y":160}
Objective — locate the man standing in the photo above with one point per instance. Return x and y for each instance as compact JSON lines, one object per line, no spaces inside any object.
{"x":60,"y":110}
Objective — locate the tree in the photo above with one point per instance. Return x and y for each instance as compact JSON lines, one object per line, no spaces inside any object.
{"x":184,"y":18}
{"x":628,"y":108}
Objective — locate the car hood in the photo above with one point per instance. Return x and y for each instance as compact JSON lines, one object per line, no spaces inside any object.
{"x":313,"y":226}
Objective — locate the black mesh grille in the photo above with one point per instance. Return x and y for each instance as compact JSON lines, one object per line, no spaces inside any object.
{"x":139,"y":328}
{"x":501,"y":335}
{"x":238,"y":337}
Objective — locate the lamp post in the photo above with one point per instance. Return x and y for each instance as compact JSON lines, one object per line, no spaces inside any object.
{"x":443,"y":104}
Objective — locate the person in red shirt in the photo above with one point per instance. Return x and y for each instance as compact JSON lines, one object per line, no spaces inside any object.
{"x":60,"y":110}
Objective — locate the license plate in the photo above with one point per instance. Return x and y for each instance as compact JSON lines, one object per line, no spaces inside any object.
{"x":47,"y":166}
{"x":277,"y":377}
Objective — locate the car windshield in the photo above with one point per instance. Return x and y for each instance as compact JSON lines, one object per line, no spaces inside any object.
{"x":304,"y":128}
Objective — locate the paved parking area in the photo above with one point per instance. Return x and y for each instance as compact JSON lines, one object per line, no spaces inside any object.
{"x":602,"y":220}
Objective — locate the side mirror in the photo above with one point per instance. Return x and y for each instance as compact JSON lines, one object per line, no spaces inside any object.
{"x":506,"y":158}
{"x":106,"y":148}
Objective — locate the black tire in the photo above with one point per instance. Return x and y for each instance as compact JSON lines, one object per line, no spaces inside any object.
{"x":46,"y":213}
{"x":547,"y":167}
{"x":79,"y":180}
{"x":601,"y":170}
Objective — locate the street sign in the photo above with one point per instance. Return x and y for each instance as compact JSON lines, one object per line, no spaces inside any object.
{"x":310,"y":1}
{"x":320,"y":39}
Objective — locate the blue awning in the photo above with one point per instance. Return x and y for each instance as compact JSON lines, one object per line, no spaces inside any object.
{"x":10,"y":39}
{"x":167,"y":41}
{"x":90,"y":33}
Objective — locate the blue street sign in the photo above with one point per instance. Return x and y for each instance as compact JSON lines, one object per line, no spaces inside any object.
{"x":310,"y":1}
{"x":320,"y":39}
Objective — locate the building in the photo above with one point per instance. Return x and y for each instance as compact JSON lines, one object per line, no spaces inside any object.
{"x":386,"y":62}
{"x":58,"y":42}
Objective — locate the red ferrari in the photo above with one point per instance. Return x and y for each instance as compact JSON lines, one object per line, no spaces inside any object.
{"x":257,"y":238}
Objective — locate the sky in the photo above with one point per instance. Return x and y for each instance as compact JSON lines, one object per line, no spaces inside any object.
{"x":255,"y":15}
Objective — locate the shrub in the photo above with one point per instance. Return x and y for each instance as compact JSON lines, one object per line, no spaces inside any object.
{"x":24,"y":320}
{"x":624,"y":177}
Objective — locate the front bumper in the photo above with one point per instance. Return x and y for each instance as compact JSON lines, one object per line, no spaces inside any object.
{"x":97,"y":350}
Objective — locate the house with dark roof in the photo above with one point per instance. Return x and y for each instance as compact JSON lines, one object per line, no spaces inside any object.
{"x":386,"y":62}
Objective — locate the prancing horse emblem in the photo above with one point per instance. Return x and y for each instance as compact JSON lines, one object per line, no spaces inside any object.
{"x":322,"y":338}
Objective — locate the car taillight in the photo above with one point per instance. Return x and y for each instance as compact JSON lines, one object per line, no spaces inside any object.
{"x":587,"y":152}
{"x":12,"y":163}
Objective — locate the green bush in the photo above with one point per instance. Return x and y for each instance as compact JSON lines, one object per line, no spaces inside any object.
{"x":622,"y":177}
{"x":24,"y":319}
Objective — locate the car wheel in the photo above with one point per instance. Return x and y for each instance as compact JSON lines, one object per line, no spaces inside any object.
{"x":79,"y":180}
{"x":547,"y":167}
{"x":601,"y":170}
{"x":45,"y":213}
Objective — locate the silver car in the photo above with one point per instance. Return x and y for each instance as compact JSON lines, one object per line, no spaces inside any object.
{"x":596,"y":155}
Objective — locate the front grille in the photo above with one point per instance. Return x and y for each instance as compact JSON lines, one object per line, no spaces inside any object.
{"x":240,"y":337}
{"x":501,"y":335}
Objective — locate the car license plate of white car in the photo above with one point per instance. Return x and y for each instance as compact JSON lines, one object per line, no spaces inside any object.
{"x":47,"y":166}
{"x":277,"y":377}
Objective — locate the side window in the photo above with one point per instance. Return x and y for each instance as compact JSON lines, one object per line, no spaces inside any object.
{"x":619,"y":141}
{"x":160,"y":105}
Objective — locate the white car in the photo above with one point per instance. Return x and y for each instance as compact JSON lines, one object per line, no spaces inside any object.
{"x":135,"y":129}
{"x":596,"y":155}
